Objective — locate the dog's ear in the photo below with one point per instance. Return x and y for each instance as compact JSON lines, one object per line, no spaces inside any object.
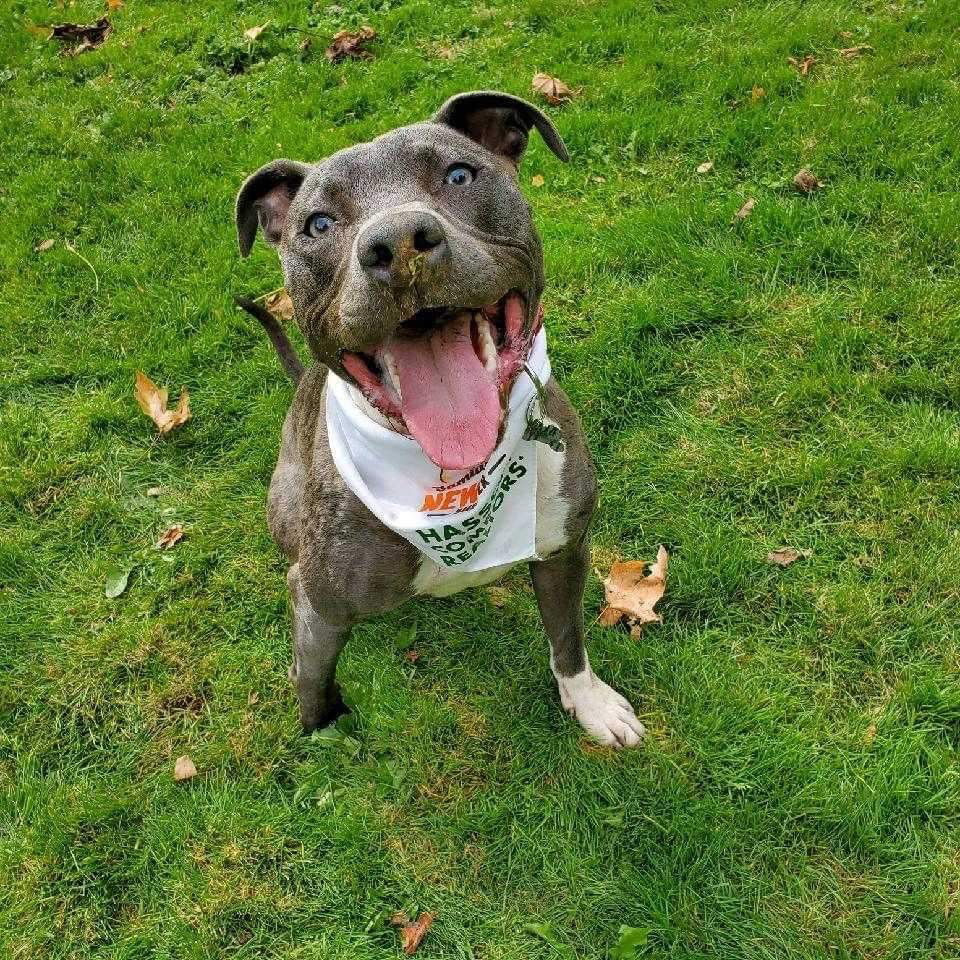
{"x":500,"y":122}
{"x":265,"y":198}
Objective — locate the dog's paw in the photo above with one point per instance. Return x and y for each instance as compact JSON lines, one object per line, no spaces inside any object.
{"x":601,"y":711}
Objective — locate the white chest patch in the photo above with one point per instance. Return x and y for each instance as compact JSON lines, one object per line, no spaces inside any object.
{"x":552,"y":510}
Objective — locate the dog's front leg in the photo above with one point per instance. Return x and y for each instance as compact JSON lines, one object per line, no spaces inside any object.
{"x":559,"y":583}
{"x":316,"y":647}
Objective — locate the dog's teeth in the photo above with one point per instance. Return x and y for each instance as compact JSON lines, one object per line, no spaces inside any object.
{"x":488,"y":349}
{"x":393,"y":373}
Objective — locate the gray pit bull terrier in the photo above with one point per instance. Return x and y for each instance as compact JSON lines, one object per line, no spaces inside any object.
{"x":386,"y":248}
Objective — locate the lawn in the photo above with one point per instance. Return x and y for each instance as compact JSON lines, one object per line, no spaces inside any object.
{"x":791,"y":378}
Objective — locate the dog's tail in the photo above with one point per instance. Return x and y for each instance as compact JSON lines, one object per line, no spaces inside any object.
{"x":281,"y":343}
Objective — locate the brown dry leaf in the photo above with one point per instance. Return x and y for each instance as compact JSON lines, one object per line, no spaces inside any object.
{"x":78,"y":38}
{"x":498,"y":595}
{"x":280,"y":304}
{"x":705,"y":167}
{"x":745,"y":210}
{"x":170,"y":536}
{"x":184,"y":769}
{"x":153,"y":402}
{"x":851,"y":53}
{"x":255,"y":32}
{"x":553,"y":89}
{"x":870,"y":734}
{"x":757,"y":93}
{"x":610,"y":617}
{"x":802,"y":66}
{"x":350,"y":43}
{"x":45,"y":246}
{"x":806,"y":181}
{"x":633,"y":594}
{"x":154,"y":491}
{"x":411,"y":656}
{"x":784,"y":556}
{"x":412,"y":933}
{"x":537,"y":180}
{"x":114,"y":4}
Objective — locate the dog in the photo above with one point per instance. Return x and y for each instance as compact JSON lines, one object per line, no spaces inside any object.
{"x":416,"y":276}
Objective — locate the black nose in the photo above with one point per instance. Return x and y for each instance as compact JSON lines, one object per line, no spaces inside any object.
{"x":387,"y":248}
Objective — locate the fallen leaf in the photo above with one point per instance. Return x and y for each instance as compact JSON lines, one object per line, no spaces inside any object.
{"x":851,"y":53}
{"x":806,"y":181}
{"x":553,"y":89}
{"x":412,"y":932}
{"x":498,"y":595}
{"x":411,"y":656}
{"x":350,"y":43}
{"x":537,"y":180}
{"x":38,"y":31}
{"x":153,"y":402}
{"x":184,"y":769}
{"x":784,"y":556}
{"x":745,"y":210}
{"x":705,"y":167}
{"x":870,"y":734}
{"x":170,"y":536}
{"x":280,"y":304}
{"x":757,"y":93}
{"x":253,"y":698}
{"x":255,"y":32}
{"x":78,"y":38}
{"x":114,"y":4}
{"x":631,"y":594}
{"x":154,"y":491}
{"x":445,"y":51}
{"x":304,"y":47}
{"x":116,"y":583}
{"x":802,"y":66}
{"x":45,"y":246}
{"x":610,"y":616}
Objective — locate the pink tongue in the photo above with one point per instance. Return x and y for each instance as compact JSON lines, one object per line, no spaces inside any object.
{"x":450,"y":402}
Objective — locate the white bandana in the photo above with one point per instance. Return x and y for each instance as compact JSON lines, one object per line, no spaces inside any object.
{"x":472,"y":520}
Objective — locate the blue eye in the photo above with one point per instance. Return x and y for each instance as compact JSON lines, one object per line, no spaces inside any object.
{"x":459,"y":175}
{"x":319,"y":223}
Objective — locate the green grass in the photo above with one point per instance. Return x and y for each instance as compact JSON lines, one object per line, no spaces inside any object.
{"x":793,"y":379}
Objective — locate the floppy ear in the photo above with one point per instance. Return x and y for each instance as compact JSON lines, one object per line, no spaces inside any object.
{"x":500,"y":122}
{"x":265,"y":197}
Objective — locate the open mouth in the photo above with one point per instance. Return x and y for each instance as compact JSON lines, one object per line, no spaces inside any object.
{"x":445,"y":375}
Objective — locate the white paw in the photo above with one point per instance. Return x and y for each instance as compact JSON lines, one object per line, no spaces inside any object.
{"x":602,"y":712}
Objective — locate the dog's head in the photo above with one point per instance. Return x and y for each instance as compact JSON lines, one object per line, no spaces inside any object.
{"x":414,"y":267}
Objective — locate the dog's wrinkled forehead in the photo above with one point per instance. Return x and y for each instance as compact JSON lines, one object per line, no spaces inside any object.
{"x":405,"y":166}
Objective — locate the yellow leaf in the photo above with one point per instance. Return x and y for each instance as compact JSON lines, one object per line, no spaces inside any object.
{"x":633,"y":594}
{"x":537,"y":181}
{"x":705,"y":167}
{"x":153,"y":402}
{"x":553,"y":89}
{"x":412,"y":932}
{"x":745,"y":210}
{"x":255,"y":32}
{"x":170,"y":536}
{"x":784,"y":556}
{"x":184,"y":769}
